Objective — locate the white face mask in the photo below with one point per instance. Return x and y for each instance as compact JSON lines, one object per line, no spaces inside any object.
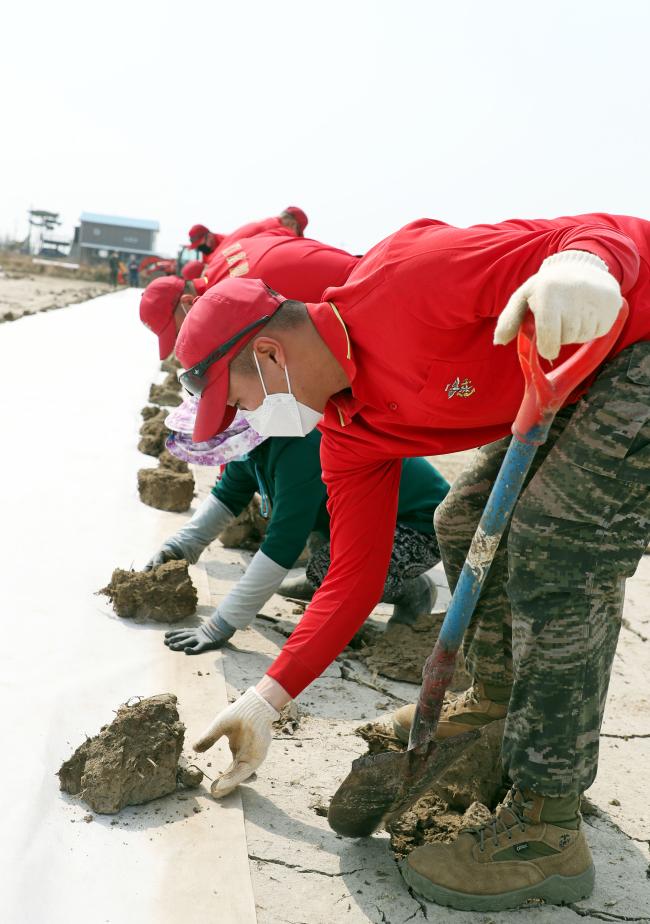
{"x":280,"y":414}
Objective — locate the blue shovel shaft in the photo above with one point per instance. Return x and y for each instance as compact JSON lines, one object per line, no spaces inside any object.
{"x":439,"y":667}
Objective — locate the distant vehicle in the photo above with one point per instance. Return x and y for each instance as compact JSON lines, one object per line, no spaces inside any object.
{"x":152,"y":267}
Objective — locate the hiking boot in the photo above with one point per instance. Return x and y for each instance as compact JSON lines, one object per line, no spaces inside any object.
{"x":299,"y":588}
{"x":416,"y":599}
{"x":472,"y":709}
{"x":517,"y":856}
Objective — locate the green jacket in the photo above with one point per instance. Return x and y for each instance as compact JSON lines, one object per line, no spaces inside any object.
{"x":286,"y":473}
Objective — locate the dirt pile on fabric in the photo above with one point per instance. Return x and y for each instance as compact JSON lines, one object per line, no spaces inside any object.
{"x":399,"y":653}
{"x":476,"y":776}
{"x":171,"y":364}
{"x":153,"y":431}
{"x":247,"y":531}
{"x":132,"y":760}
{"x":164,"y":594}
{"x":167,"y":460}
{"x":167,"y":393}
{"x":165,"y":489}
{"x":463,"y":796}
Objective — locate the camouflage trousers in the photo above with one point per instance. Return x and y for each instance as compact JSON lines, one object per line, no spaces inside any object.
{"x":549,"y":616}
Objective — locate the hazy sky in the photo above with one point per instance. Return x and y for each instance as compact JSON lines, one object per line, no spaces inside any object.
{"x":366,"y":113}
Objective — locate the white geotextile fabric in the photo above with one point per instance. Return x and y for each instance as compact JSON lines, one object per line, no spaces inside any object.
{"x":72,"y":383}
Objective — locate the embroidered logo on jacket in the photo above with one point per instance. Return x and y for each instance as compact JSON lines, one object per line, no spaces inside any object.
{"x":464,"y":388}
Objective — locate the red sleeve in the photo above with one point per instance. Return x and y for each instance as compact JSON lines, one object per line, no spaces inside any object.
{"x":472,"y":272}
{"x":363,"y":510}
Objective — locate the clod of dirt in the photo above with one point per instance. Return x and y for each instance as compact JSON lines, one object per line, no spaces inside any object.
{"x":247,"y":531}
{"x":288,"y":721}
{"x":167,"y":460}
{"x":164,"y":594}
{"x":166,"y":490}
{"x":188,"y":775}
{"x":399,"y":653}
{"x":476,"y":776}
{"x":132,"y":760}
{"x":431,"y":820}
{"x":167,"y":393}
{"x":153,"y":431}
{"x":171,"y":364}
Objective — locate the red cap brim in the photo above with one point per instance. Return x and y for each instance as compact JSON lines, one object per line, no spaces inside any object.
{"x":167,"y":339}
{"x":214,"y":414}
{"x":197,"y":243}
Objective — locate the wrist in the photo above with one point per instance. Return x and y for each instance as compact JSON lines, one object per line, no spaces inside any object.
{"x":270,"y":690}
{"x":583,"y":257}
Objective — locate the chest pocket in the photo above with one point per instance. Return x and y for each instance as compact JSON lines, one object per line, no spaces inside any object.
{"x":609,"y":433}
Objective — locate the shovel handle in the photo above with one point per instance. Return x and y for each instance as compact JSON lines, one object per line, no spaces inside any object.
{"x":546,"y":392}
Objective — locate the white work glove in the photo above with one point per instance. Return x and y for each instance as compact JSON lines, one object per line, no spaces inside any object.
{"x":209,"y":521}
{"x":573,"y":297}
{"x":247,"y":725}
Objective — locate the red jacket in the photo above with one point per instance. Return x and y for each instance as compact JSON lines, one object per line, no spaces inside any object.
{"x":248,"y":230}
{"x":296,"y":267}
{"x":413,"y":329}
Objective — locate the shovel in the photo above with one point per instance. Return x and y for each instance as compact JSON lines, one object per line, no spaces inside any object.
{"x":380,"y":787}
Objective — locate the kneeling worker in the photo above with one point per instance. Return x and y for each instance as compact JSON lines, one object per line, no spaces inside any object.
{"x":286,"y":472}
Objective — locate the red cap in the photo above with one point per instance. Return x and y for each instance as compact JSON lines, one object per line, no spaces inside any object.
{"x":193,"y":269}
{"x":201,"y":284}
{"x":225,"y":309}
{"x":299,"y":215}
{"x":157,"y":306}
{"x":198,"y":234}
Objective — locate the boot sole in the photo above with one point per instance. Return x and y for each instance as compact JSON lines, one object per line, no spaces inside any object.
{"x":556,"y":890}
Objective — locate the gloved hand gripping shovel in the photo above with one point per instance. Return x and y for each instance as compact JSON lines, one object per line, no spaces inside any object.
{"x":380,"y":787}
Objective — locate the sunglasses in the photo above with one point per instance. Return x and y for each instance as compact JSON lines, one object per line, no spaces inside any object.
{"x":195,"y":380}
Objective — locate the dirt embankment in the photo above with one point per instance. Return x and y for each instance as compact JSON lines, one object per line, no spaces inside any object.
{"x":24,"y":295}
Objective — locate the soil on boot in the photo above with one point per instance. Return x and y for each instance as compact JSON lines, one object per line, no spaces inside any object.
{"x":399,"y":653}
{"x":164,"y":594}
{"x":132,"y":760}
{"x":166,"y":490}
{"x":476,"y":776}
{"x":431,"y":820}
{"x":153,"y":432}
{"x":167,"y":460}
{"x":246,"y":531}
{"x":167,"y":393}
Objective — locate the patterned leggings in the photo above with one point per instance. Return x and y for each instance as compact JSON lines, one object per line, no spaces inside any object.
{"x":413,"y":554}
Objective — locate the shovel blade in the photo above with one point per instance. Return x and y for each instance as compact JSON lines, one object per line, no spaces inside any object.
{"x":381,"y":787}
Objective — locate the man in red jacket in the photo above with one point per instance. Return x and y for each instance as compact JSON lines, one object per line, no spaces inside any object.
{"x":207,"y":242}
{"x":416,"y":355}
{"x":299,"y":267}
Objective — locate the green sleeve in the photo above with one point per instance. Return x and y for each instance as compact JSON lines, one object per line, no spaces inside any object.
{"x":236,"y":487}
{"x":298,"y":495}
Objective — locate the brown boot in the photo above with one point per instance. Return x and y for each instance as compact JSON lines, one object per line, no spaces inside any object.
{"x":472,"y":709}
{"x":516,"y":857}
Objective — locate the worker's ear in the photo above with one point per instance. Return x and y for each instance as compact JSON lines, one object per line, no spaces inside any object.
{"x":267,"y":347}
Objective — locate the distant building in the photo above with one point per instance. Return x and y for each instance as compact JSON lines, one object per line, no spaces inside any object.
{"x":100,"y":235}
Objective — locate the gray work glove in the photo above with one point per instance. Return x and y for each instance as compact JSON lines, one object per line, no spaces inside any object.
{"x":208,"y":522}
{"x":209,"y":636}
{"x":260,"y":580}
